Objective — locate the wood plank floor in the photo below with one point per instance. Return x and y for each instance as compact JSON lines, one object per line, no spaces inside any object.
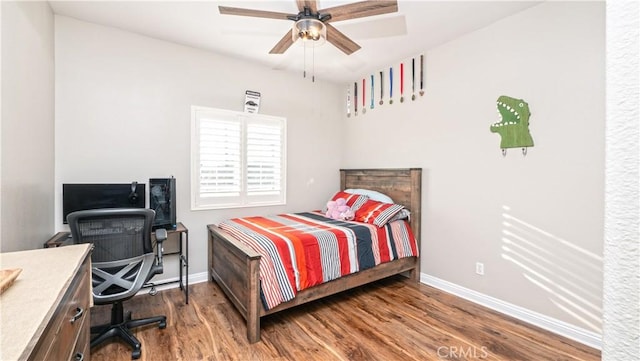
{"x":392,"y":319}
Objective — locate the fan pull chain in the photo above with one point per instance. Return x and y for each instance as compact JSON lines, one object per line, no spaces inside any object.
{"x":313,"y":64}
{"x":304,"y":64}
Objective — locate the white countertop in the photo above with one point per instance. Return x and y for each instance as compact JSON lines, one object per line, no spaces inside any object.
{"x":28,"y":305}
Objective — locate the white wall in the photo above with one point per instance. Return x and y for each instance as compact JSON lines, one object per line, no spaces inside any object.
{"x":621,"y":331}
{"x":123,"y":114}
{"x":27,"y":146}
{"x":536,"y":222}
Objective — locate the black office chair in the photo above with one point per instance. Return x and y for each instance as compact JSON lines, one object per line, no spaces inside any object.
{"x":122,"y":262}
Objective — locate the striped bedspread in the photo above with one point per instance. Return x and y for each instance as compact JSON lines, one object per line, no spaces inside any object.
{"x":301,"y":250}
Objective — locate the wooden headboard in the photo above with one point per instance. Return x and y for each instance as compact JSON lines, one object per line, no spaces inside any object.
{"x":404,"y":186}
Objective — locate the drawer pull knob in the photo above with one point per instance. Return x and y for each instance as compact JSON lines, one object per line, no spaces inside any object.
{"x":79,"y":356}
{"x":79,"y":312}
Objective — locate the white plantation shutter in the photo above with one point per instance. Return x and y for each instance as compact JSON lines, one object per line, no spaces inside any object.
{"x":238,"y":159}
{"x":264,"y":152}
{"x":220,"y":158}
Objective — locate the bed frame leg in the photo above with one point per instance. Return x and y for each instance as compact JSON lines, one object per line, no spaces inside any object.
{"x":253,"y":330}
{"x":414,"y":276}
{"x":414,"y":273}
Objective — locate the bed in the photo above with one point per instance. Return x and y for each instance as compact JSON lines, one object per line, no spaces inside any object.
{"x":235,"y":267}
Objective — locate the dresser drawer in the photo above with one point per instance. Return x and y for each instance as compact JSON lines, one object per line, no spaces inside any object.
{"x":70,"y":325}
{"x":82,"y":349}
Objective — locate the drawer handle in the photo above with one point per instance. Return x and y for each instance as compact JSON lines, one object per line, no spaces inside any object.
{"x":79,"y":356}
{"x":79,"y":313}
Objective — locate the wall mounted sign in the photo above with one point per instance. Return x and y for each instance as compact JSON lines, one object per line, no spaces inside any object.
{"x":514,"y":126}
{"x":251,"y":101}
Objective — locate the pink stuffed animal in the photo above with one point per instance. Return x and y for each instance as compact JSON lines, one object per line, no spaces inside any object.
{"x":339,"y":209}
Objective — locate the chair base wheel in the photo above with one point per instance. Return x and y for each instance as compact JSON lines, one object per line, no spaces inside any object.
{"x":121,"y":325}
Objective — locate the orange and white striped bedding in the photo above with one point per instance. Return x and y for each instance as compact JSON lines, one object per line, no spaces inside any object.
{"x":301,"y":250}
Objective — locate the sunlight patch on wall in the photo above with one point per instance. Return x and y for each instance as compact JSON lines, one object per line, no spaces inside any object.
{"x":571,"y":275}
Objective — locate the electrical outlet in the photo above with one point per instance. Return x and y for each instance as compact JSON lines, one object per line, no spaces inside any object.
{"x":480,"y":268}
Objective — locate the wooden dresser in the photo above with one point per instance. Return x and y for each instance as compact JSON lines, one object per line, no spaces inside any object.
{"x":44,"y":315}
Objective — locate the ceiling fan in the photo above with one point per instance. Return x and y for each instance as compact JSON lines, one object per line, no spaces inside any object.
{"x":313,"y":24}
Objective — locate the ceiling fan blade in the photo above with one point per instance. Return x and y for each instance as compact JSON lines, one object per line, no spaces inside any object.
{"x":283,"y":44}
{"x":226,"y":10}
{"x":311,"y":4}
{"x":341,"y":41}
{"x":360,"y":9}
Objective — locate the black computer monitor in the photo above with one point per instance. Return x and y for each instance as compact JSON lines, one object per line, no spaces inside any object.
{"x":82,"y":196}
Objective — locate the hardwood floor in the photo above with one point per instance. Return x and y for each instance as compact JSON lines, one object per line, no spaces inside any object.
{"x":392,"y":319}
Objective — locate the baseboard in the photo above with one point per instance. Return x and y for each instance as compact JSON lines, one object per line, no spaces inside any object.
{"x":169,"y":283}
{"x":586,"y":337}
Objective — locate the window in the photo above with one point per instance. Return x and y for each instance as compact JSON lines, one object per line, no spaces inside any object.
{"x":237,"y":159}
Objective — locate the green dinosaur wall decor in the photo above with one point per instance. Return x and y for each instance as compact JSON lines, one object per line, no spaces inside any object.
{"x":514,"y":126}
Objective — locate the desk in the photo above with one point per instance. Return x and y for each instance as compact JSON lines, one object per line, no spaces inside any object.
{"x":180,"y":235}
{"x":45,"y":313}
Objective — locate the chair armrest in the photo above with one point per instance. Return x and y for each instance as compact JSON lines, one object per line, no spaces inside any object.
{"x":161,"y":236}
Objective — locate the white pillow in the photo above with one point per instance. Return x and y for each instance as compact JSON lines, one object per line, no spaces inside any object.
{"x":403,"y":214}
{"x":373,"y":195}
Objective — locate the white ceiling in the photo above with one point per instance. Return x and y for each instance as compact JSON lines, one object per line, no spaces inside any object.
{"x":385,"y":39}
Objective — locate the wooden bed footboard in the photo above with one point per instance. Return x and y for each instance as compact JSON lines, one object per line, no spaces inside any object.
{"x":235,"y":267}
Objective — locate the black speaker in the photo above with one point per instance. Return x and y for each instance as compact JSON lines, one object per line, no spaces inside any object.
{"x":162,"y":199}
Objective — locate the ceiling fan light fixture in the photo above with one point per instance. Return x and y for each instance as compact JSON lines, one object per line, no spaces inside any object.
{"x":309,"y":30}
